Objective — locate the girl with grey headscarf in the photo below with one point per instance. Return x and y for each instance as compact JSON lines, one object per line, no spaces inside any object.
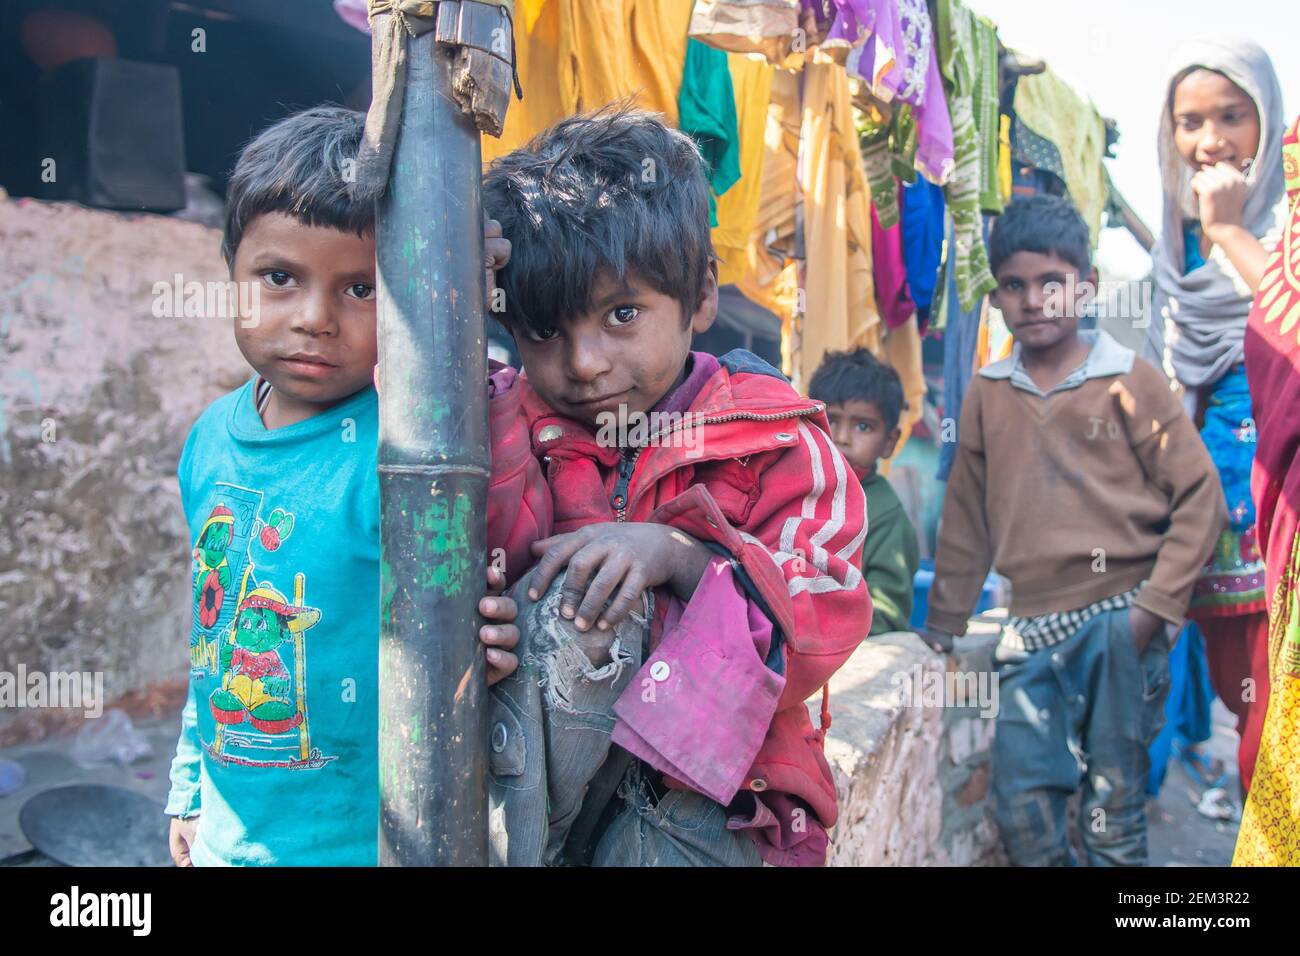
{"x":1224,"y":210}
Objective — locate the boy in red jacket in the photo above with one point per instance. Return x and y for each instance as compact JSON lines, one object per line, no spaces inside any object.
{"x":698,"y":569}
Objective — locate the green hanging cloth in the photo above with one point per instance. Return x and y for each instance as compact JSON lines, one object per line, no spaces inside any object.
{"x":706,"y":108}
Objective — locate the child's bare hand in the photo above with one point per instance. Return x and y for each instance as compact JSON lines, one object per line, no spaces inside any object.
{"x":501,"y":636}
{"x":1144,"y":626}
{"x":939,"y":641}
{"x":619,"y":561}
{"x":496,"y":253}
{"x":180,"y":838}
{"x":1221,"y":195}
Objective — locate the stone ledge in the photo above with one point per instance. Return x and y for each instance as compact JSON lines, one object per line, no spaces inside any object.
{"x":912,"y":781}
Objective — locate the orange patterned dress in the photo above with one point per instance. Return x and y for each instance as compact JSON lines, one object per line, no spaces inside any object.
{"x":1270,"y":825}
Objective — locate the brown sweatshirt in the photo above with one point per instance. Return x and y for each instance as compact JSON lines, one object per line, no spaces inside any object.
{"x":1077,"y":495}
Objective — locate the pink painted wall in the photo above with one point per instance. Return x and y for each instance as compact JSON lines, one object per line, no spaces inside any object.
{"x":97,"y":396}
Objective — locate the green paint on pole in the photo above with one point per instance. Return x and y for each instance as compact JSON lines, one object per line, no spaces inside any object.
{"x":444,"y":532}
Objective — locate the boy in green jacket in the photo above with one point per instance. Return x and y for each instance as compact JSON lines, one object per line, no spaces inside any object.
{"x":864,"y":398}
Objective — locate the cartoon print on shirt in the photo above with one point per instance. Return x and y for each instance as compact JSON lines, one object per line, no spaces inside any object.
{"x":211,"y":566}
{"x":221,"y":556}
{"x":259,"y":651}
{"x":276,"y":530}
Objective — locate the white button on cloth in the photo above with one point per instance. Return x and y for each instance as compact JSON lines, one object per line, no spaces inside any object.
{"x":550,"y":433}
{"x":660,"y":670}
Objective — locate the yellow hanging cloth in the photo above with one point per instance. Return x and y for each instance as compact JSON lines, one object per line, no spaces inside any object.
{"x":738,"y":206}
{"x":838,"y":290}
{"x":1049,"y":107}
{"x":1004,"y":158}
{"x":578,"y":55}
{"x":770,"y":278}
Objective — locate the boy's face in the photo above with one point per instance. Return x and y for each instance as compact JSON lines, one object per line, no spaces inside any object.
{"x":314,"y":339}
{"x":628,"y":349}
{"x":1041,"y":297}
{"x":858,"y":429}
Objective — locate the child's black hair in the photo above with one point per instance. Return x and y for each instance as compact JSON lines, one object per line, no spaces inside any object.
{"x":616,"y":190}
{"x":301,"y":166}
{"x":1049,"y":225}
{"x":846,"y":376}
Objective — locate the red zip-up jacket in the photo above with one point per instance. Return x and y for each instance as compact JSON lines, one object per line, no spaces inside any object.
{"x":763,"y":484}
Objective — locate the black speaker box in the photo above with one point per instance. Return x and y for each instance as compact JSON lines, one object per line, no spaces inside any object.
{"x":114,"y":131}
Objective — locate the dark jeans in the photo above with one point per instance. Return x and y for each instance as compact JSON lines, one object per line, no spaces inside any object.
{"x":560,"y":793}
{"x":1082,"y":712}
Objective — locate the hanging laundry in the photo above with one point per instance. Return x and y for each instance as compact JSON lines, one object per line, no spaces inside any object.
{"x":888,"y":146}
{"x":960,"y":339}
{"x":578,"y":55}
{"x":1004,"y":157}
{"x":771,"y":275}
{"x":747,"y":26}
{"x":889,"y":273}
{"x":839,"y":292}
{"x":922,"y":229}
{"x":611,"y":49}
{"x":1028,"y":149}
{"x":537,"y":56}
{"x":901,"y":351}
{"x":875,"y":60}
{"x":707,"y":112}
{"x":987,"y":122}
{"x":913,"y":78}
{"x":955,"y":34}
{"x":751,"y":80}
{"x":849,"y":25}
{"x":1050,"y":108}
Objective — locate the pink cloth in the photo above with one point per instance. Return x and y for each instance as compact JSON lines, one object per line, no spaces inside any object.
{"x":934,"y":146}
{"x":353,"y":13}
{"x":900,"y":61}
{"x":791,"y":837}
{"x":893,"y":298}
{"x":852,"y":20}
{"x":700,"y":706}
{"x":876,"y":60}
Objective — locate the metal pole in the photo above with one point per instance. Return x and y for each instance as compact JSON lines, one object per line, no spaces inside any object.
{"x":433,"y":473}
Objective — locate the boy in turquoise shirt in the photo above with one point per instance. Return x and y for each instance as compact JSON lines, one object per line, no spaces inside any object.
{"x":277,"y":761}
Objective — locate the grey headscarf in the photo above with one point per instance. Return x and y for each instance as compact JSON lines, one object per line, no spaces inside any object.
{"x":1208,"y":306}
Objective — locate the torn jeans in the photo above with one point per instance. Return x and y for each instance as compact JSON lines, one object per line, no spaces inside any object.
{"x":559,"y":792}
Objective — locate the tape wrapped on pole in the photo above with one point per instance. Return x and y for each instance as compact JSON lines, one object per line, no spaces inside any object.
{"x":405,"y":19}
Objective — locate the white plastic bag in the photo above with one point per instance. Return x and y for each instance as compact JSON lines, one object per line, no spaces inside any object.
{"x":110,"y":737}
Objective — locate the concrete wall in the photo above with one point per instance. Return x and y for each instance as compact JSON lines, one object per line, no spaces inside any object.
{"x":96,"y":398}
{"x":912,"y":775}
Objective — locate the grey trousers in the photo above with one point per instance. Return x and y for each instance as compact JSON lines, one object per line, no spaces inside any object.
{"x":559,"y":792}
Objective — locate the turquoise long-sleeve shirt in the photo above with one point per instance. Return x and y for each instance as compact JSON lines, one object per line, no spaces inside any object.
{"x":278,"y":751}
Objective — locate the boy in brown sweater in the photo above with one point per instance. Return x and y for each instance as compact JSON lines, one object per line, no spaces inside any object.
{"x":1079,"y":477}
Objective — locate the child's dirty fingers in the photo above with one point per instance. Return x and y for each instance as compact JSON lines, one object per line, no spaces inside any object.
{"x":501,"y":664}
{"x":612,"y":571}
{"x":629,"y":595}
{"x":499,"y":635}
{"x":554,"y":556}
{"x":498,"y":608}
{"x":581,"y":567}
